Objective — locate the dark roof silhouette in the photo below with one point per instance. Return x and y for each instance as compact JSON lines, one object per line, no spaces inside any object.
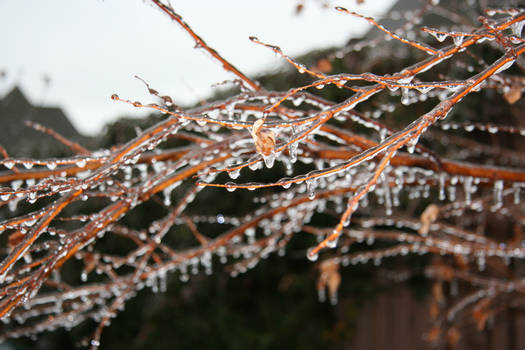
{"x":21,"y":140}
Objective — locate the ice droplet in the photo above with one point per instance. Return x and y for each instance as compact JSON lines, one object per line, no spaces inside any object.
{"x":234,"y":173}
{"x":332,"y":243}
{"x":442,"y":179}
{"x":311,"y":255}
{"x":517,"y":28}
{"x":411,"y":144}
{"x":458,"y":40}
{"x":269,"y":160}
{"x":229,"y":188}
{"x":81,"y":163}
{"x":498,"y":193}
{"x":310,"y":188}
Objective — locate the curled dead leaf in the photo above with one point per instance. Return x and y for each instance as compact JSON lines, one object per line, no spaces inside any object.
{"x":429,"y":216}
{"x":264,"y":140}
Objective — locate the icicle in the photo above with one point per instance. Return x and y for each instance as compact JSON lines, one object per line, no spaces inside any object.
{"x":405,"y":99}
{"x":498,"y":193}
{"x":411,"y":144}
{"x":388,"y":198}
{"x":481,"y":262}
{"x":442,"y":179}
{"x":269,"y":159}
{"x":292,"y":149}
{"x":167,"y":196}
{"x":310,"y":188}
{"x":517,"y":189}
{"x":383,"y":133}
{"x":163,"y":285}
{"x":467,"y":186}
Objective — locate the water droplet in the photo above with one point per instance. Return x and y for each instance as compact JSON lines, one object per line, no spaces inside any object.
{"x":498,"y":193}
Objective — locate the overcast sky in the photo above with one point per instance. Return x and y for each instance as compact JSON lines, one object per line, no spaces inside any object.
{"x":92,"y":48}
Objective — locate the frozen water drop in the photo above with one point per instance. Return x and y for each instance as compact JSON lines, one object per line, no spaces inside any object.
{"x":312,"y":255}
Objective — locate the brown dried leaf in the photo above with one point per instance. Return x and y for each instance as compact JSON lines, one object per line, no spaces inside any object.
{"x":429,"y":215}
{"x":264,"y":140}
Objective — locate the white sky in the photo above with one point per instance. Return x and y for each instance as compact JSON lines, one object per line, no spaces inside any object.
{"x":93,"y":48}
